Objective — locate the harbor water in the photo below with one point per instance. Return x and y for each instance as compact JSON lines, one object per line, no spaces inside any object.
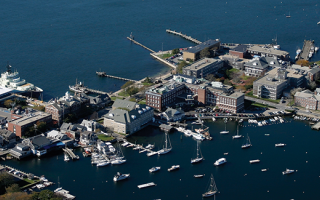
{"x":54,"y":43}
{"x":237,"y":179}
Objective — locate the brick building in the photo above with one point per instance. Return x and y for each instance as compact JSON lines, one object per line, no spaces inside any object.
{"x":194,"y":52}
{"x":307,"y":99}
{"x":203,"y":67}
{"x":240,"y":51}
{"x":20,"y":123}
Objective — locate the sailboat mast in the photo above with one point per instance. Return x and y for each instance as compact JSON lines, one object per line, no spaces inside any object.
{"x":166,"y":142}
{"x":197,"y":149}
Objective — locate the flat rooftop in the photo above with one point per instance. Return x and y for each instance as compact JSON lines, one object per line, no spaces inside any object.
{"x":268,"y":50}
{"x":203,"y":45}
{"x":204,"y":62}
{"x":29,"y":118}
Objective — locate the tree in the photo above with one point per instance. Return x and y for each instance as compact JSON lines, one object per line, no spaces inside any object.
{"x":312,"y":85}
{"x":175,"y":51}
{"x":16,"y":196}
{"x":303,"y":63}
{"x":5,"y":179}
{"x":128,"y":83}
{"x":8,"y":103}
{"x":147,"y":80}
{"x":180,"y":66}
{"x":13,"y":188}
{"x":45,"y":195}
{"x":204,"y":53}
{"x":227,"y":82}
{"x":210,"y":77}
{"x":132,"y":90}
{"x":41,"y":126}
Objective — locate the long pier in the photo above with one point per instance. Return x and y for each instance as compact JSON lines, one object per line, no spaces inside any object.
{"x":304,"y":55}
{"x":104,"y":74}
{"x":184,"y":36}
{"x":137,"y":43}
{"x":70,"y":153}
{"x":96,"y":91}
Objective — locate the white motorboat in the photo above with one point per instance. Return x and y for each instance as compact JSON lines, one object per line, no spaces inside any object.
{"x":264,"y":170}
{"x":237,"y":136}
{"x":125,"y":144}
{"x":280,"y":145}
{"x":102,"y":163}
{"x":138,"y":147}
{"x":188,"y":133}
{"x":167,"y":148}
{"x":198,"y":136}
{"x":247,"y":144}
{"x":254,"y":161}
{"x":225,"y":128}
{"x":152,"y":153}
{"x":213,"y":119}
{"x":119,"y":177}
{"x":288,"y":171}
{"x":154,"y":169}
{"x":316,"y":49}
{"x":66,"y":157}
{"x":220,"y":161}
{"x":241,"y":120}
{"x":150,"y":146}
{"x":199,"y":157}
{"x":174,"y":167}
{"x":146,"y":185}
{"x":198,"y":175}
{"x":212,"y":189}
{"x":117,"y":162}
{"x":318,"y":22}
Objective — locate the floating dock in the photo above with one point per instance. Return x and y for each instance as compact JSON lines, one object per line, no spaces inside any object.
{"x":304,"y":55}
{"x":71,"y":154}
{"x":146,"y":185}
{"x":137,"y":43}
{"x":104,"y":74}
{"x":184,"y":36}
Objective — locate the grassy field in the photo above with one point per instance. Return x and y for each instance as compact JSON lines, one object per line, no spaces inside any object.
{"x":105,"y":137}
{"x":250,"y":94}
{"x":114,"y":98}
{"x":165,"y":56}
{"x":123,"y":93}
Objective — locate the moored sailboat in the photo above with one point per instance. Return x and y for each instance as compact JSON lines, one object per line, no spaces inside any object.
{"x":199,"y":157}
{"x":237,"y":136}
{"x":247,"y":144}
{"x":167,"y":148}
{"x":225,"y":128}
{"x":212,"y":189}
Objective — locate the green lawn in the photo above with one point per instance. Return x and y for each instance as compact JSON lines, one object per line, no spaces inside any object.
{"x":250,"y":94}
{"x":165,"y":56}
{"x":105,"y":137}
{"x":114,"y":98}
{"x":123,"y":93}
{"x":234,"y":70}
{"x":148,"y":84}
{"x":142,"y":102}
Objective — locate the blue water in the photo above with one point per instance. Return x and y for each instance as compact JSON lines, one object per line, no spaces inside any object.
{"x":237,"y":179}
{"x":53,"y":43}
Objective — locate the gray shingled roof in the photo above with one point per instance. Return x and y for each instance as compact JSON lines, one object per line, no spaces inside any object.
{"x":124,"y":104}
{"x":262,"y":63}
{"x":202,"y":46}
{"x":314,"y":70}
{"x":170,"y":112}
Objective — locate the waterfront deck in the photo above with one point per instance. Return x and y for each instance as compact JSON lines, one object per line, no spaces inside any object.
{"x":184,"y":36}
{"x":70,"y":153}
{"x":304,"y":55}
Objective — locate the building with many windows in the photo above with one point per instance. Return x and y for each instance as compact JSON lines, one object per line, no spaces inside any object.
{"x":307,"y":99}
{"x":194,"y":52}
{"x":127,"y":117}
{"x":203,"y":67}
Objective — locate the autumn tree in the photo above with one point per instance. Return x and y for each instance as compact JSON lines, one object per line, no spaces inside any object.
{"x":303,"y":63}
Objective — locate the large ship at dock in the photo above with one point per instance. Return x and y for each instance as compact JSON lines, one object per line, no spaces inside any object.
{"x":11,"y":80}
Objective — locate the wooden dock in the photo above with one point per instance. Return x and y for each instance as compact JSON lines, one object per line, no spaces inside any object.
{"x":104,"y":74}
{"x":304,"y":55}
{"x":184,"y":36}
{"x":137,"y":43}
{"x":316,"y":126}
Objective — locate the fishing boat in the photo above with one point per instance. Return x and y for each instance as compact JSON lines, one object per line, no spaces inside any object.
{"x":280,"y":145}
{"x":167,"y":148}
{"x":119,"y":177}
{"x":212,"y":189}
{"x":247,"y":144}
{"x":174,"y":167}
{"x":198,"y":175}
{"x":154,"y":169}
{"x":225,"y":128}
{"x":199,"y":157}
{"x":288,"y":171}
{"x":220,"y":161}
{"x":66,"y":157}
{"x":237,"y":136}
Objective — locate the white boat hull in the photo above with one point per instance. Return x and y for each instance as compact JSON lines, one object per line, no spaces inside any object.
{"x":196,"y":160}
{"x":224,"y":132}
{"x":164,"y":151}
{"x":236,"y":136}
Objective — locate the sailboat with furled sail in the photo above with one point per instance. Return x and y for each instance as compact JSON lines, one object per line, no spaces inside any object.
{"x":167,"y":147}
{"x":237,"y":136}
{"x":199,"y":157}
{"x":212,"y":189}
{"x":225,"y":128}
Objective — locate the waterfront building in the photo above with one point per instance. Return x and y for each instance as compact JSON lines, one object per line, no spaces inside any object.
{"x":57,"y":135}
{"x":307,"y":99}
{"x":182,"y":78}
{"x":260,"y":65}
{"x":240,"y":51}
{"x":20,"y":123}
{"x":72,"y":130}
{"x":88,"y":138}
{"x":268,"y":51}
{"x":314,"y":74}
{"x":295,"y":79}
{"x":272,"y":85}
{"x":128,"y":117}
{"x":9,"y":137}
{"x":20,"y":151}
{"x":203,"y":67}
{"x":90,"y":125}
{"x":172,"y":115}
{"x":193,"y":53}
{"x":41,"y":145}
{"x":234,"y":61}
